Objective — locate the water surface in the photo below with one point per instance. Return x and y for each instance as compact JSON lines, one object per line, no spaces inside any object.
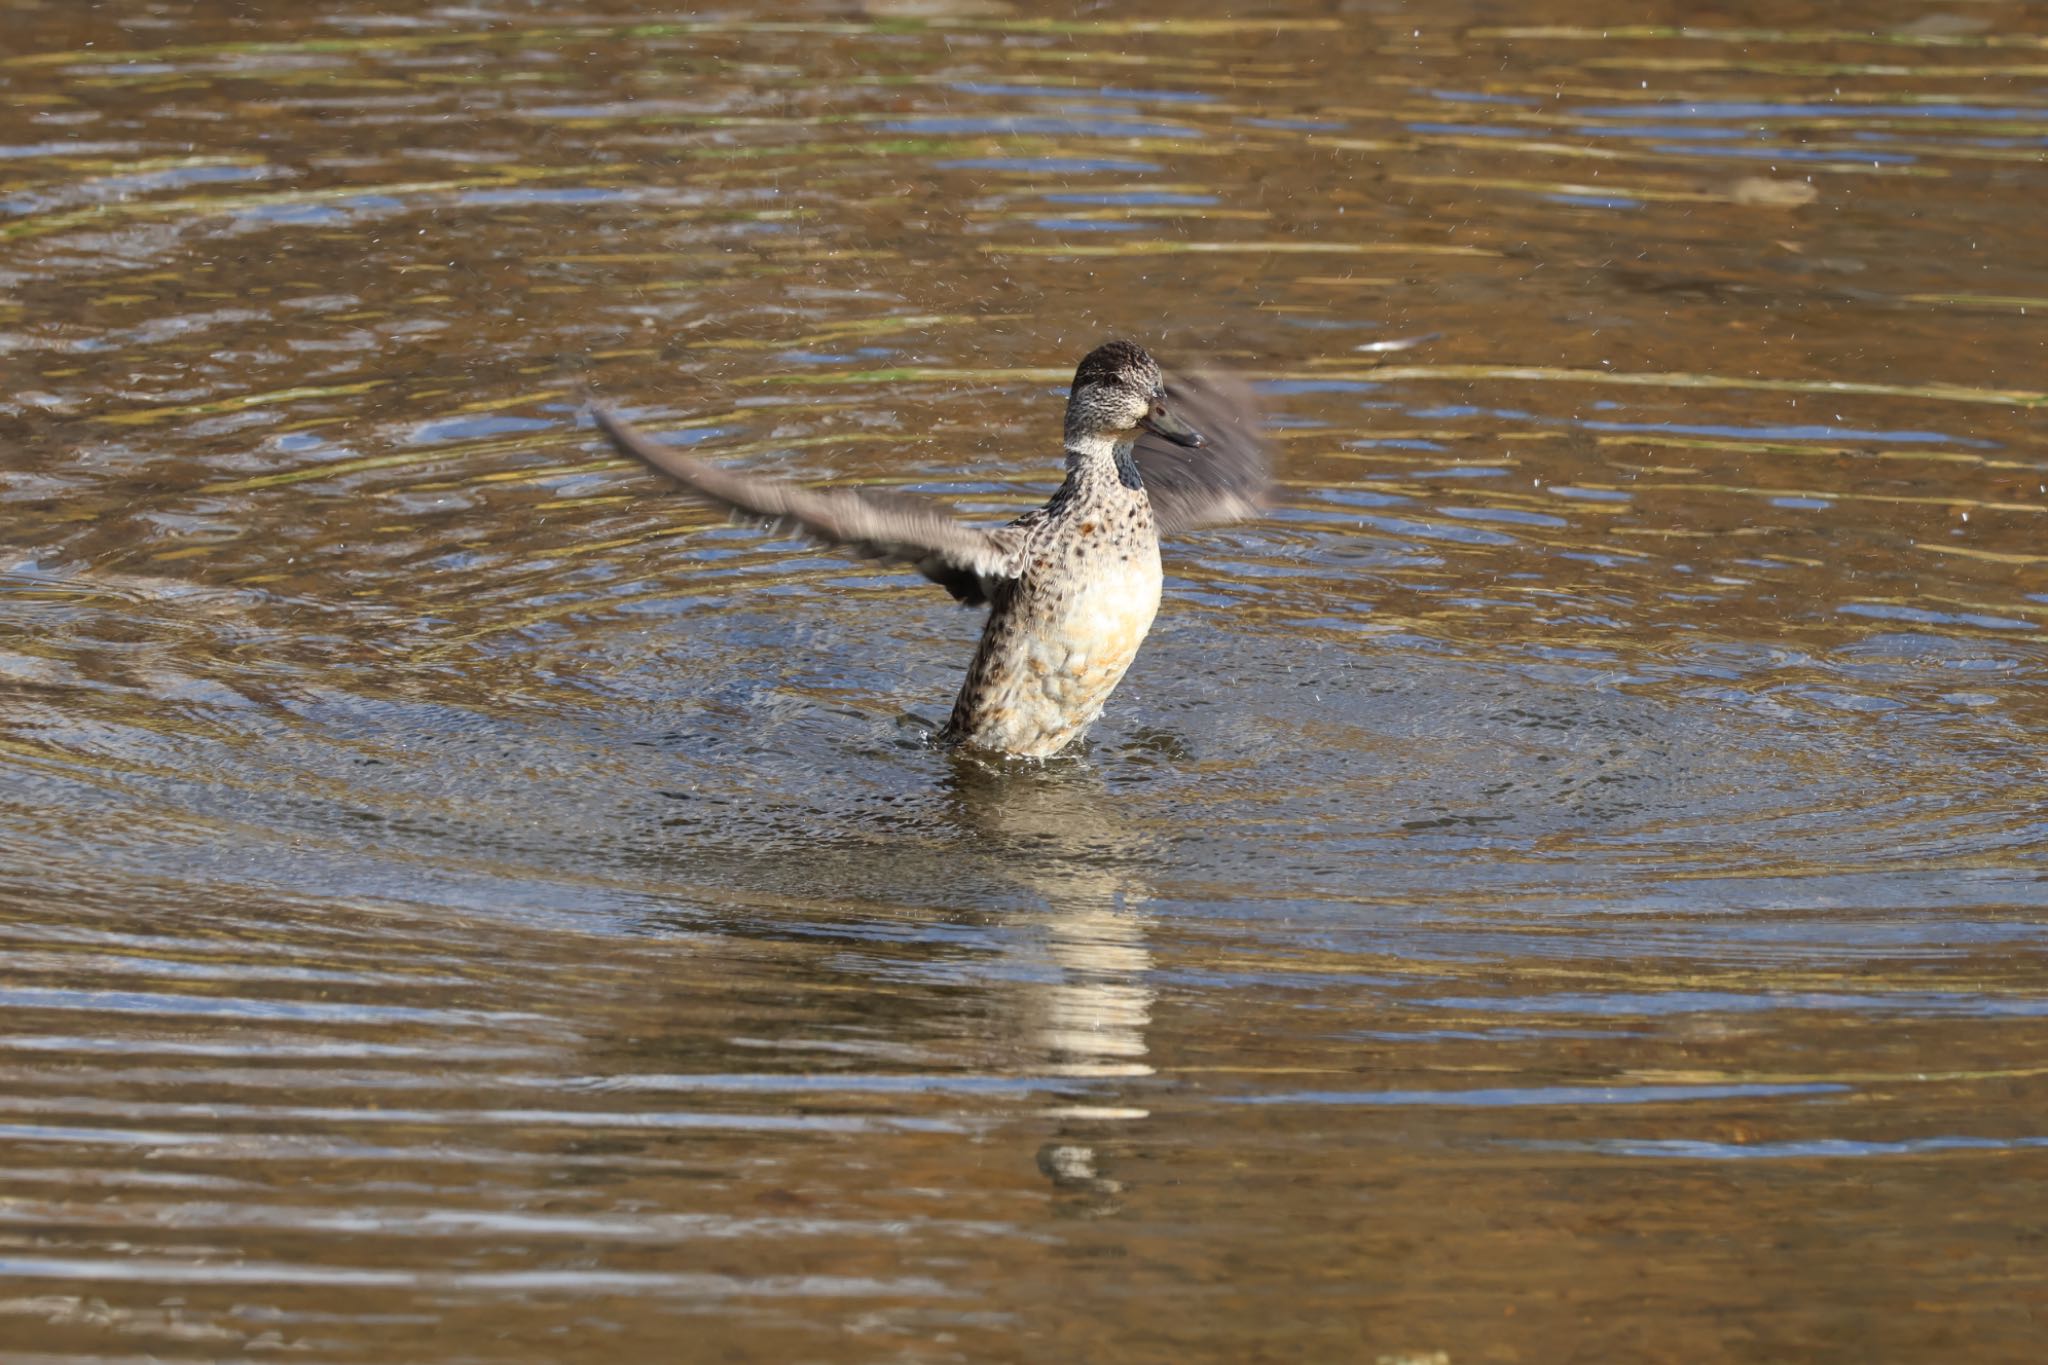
{"x":1569,"y":885}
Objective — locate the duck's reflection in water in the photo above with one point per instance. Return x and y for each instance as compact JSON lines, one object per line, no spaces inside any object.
{"x":1057,"y":831}
{"x":1026,"y":956}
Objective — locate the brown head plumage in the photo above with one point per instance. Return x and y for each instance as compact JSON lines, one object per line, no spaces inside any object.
{"x":1119,"y":364}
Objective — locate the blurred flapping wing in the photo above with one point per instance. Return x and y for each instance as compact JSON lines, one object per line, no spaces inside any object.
{"x":1227,"y":477}
{"x":899,"y":527}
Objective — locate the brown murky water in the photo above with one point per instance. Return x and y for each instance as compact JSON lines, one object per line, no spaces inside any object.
{"x":1567,"y":887}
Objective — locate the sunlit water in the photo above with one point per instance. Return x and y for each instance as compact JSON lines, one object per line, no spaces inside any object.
{"x":1567,"y":886}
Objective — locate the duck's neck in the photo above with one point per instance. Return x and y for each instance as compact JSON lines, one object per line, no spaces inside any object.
{"x":1099,"y":454}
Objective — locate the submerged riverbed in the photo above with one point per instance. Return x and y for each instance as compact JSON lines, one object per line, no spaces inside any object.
{"x":1567,"y":886}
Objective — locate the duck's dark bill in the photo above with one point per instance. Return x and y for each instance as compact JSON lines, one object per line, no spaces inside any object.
{"x":1161,"y":421}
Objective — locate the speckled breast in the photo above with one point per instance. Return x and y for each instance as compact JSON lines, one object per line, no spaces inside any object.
{"x":1056,"y":649}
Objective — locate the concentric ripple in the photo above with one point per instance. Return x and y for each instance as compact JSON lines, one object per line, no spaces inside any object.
{"x":1567,"y":885}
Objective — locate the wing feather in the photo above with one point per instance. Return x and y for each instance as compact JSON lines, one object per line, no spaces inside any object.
{"x":1228,"y":477}
{"x":894,"y":526}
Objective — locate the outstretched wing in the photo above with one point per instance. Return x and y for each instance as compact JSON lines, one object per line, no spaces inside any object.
{"x":1227,"y":477}
{"x":899,"y":527}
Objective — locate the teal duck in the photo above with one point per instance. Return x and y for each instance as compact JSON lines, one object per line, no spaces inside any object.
{"x":1072,"y":586}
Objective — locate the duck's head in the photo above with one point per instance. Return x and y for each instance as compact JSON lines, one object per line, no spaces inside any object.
{"x":1117,"y":391}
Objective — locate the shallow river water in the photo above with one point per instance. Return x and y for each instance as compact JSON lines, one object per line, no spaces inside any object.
{"x":1567,"y":886}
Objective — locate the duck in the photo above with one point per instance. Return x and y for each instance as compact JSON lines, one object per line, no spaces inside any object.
{"x":1072,"y":587}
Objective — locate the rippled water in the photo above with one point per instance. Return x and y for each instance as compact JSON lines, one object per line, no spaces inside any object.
{"x":1567,"y":886}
